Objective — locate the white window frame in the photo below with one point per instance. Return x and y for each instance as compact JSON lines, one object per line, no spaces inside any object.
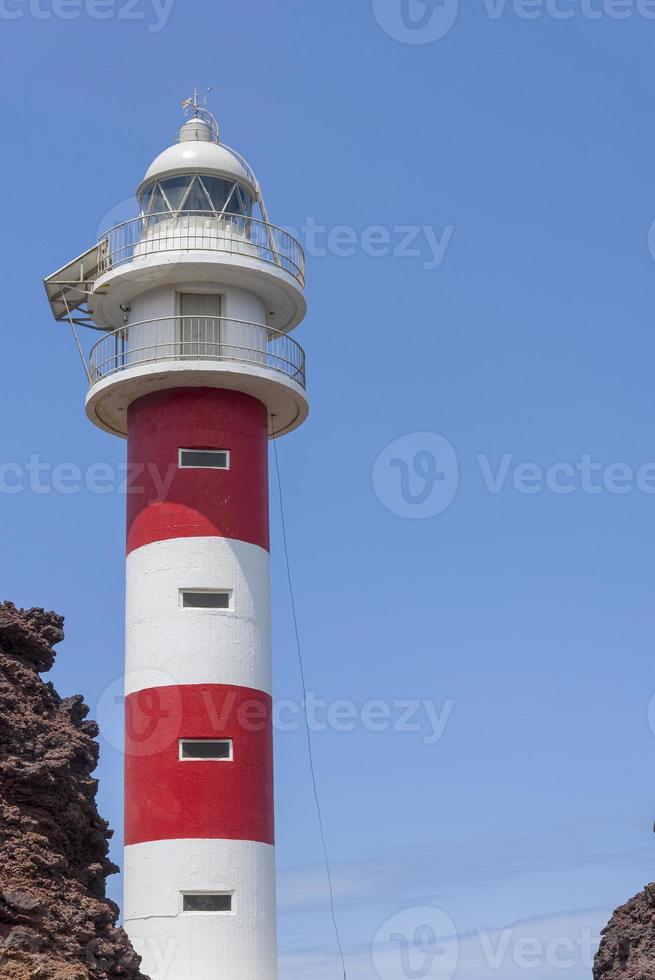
{"x":222,"y":452}
{"x":201,"y":741}
{"x":208,"y":609}
{"x":208,"y":892}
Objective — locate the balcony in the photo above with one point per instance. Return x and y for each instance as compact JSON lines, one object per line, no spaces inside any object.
{"x":200,"y":231}
{"x":197,"y":338}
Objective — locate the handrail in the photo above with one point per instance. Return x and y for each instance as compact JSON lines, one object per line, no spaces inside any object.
{"x":196,"y":338}
{"x":165,"y":231}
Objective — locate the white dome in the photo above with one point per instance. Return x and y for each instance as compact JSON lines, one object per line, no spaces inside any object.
{"x":199,"y":155}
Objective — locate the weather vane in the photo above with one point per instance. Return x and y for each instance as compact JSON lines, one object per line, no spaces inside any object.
{"x":197,"y":102}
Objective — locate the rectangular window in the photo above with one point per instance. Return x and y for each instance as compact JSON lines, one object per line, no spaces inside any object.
{"x":206,"y":599}
{"x":209,"y":902}
{"x":204,"y":459}
{"x":206,"y":750}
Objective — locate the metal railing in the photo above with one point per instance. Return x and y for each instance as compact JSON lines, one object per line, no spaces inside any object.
{"x":175,"y":231}
{"x":197,"y":338}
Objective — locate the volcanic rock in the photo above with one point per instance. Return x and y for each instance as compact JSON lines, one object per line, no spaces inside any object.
{"x":627,"y":949}
{"x":55,"y":921}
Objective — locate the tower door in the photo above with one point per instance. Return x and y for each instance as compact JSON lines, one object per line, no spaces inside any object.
{"x":200,"y":325}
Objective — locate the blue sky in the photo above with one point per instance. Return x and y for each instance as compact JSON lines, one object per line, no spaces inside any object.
{"x":502,"y":368}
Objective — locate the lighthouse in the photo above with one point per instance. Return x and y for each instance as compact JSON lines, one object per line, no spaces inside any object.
{"x":194,"y":299}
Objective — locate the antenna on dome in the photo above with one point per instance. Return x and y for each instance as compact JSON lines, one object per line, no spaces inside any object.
{"x":197,"y":105}
{"x":198,"y":102}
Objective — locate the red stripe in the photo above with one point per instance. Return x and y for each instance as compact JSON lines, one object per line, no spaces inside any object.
{"x":165,"y":502}
{"x":167,"y":799}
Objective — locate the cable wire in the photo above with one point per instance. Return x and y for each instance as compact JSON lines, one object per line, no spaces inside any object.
{"x":310,"y":747}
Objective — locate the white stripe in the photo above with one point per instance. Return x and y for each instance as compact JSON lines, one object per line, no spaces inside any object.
{"x":202,"y":946}
{"x":168,"y":645}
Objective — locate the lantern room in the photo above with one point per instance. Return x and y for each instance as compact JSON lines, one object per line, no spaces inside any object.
{"x":198,"y":288}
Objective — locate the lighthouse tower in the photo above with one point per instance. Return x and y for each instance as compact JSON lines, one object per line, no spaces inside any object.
{"x":195,"y":298}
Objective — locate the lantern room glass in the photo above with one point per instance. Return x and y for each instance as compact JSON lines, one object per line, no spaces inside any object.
{"x":196,"y":192}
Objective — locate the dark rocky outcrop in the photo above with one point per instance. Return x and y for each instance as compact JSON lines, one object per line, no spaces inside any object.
{"x":55,"y":921}
{"x":627,"y":949}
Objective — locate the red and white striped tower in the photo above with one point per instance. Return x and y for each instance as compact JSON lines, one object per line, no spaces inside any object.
{"x":197,"y":370}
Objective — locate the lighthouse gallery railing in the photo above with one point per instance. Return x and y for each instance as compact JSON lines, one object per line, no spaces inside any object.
{"x":197,"y":338}
{"x":179,"y":231}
